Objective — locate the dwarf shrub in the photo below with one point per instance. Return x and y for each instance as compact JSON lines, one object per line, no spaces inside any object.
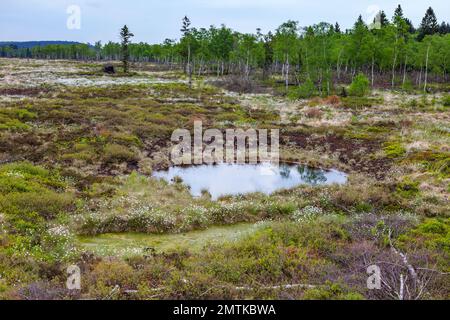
{"x":359,"y":86}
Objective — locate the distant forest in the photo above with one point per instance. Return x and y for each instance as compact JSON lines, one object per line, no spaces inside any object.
{"x":388,"y":51}
{"x":31,"y":44}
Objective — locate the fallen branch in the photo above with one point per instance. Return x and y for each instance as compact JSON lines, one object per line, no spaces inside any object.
{"x":411,"y":269}
{"x":287,"y":286}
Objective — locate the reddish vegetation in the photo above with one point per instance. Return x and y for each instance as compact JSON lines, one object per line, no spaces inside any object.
{"x":22,"y":91}
{"x":333,"y":100}
{"x":314,"y":113}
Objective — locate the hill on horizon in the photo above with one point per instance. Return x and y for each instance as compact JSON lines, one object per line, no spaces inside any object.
{"x":31,"y":44}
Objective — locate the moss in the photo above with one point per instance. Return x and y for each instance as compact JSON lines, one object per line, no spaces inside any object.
{"x":231,"y":117}
{"x":408,"y":188}
{"x":358,"y":131}
{"x":7,"y":123}
{"x":25,"y":115}
{"x":394,"y":150}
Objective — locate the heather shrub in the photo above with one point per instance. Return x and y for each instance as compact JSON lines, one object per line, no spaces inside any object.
{"x":118,"y":153}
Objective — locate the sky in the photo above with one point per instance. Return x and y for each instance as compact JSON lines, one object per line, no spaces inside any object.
{"x":153,"y":21}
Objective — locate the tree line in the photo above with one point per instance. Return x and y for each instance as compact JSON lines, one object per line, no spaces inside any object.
{"x":388,"y":51}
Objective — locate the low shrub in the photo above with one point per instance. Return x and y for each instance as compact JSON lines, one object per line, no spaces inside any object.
{"x":114,"y":153}
{"x":359,"y":86}
{"x":314,"y":113}
{"x":25,"y":177}
{"x":47,"y":204}
{"x":12,"y":124}
{"x":106,"y":275}
{"x":431,"y":233}
{"x":304,"y":91}
{"x":359,"y":102}
{"x":333,"y":100}
{"x":446,"y":100}
{"x":331,"y":291}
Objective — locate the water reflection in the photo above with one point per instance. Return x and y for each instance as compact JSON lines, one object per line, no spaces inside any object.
{"x":311,"y":176}
{"x":233,"y":179}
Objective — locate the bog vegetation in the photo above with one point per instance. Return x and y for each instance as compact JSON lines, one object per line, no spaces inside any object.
{"x":78,"y":148}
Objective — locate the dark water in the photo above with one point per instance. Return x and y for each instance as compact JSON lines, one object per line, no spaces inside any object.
{"x":233,"y":179}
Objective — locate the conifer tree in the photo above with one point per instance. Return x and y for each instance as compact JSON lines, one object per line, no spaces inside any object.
{"x":429,"y":25}
{"x":125,"y":36}
{"x":398,"y":12}
{"x":337,"y":28}
{"x":186,"y":31}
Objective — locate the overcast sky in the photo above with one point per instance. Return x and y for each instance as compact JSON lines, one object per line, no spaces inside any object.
{"x":155,"y":20}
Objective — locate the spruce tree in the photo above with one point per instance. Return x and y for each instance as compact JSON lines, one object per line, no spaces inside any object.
{"x":360,"y":21}
{"x":444,"y":28}
{"x":380,"y":20}
{"x":429,"y":25}
{"x":185,"y":26}
{"x":383,"y":19}
{"x":186,"y":31}
{"x":398,"y":13}
{"x":125,"y":36}
{"x":410,"y":25}
{"x":337,"y":28}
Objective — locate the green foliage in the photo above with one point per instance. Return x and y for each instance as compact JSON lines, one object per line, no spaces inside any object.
{"x":48,"y":204}
{"x":281,"y":209}
{"x":394,"y":150}
{"x":26,"y":189}
{"x":436,"y":162}
{"x":429,"y":25}
{"x":25,"y":178}
{"x":408,"y":188}
{"x":359,"y":102}
{"x":32,"y":199}
{"x":360,"y":86}
{"x":446,"y":100}
{"x":125,"y":36}
{"x":408,"y":86}
{"x":304,"y":91}
{"x":117,"y":153}
{"x":331,"y":291}
{"x":432,"y":233}
{"x":6,"y":123}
